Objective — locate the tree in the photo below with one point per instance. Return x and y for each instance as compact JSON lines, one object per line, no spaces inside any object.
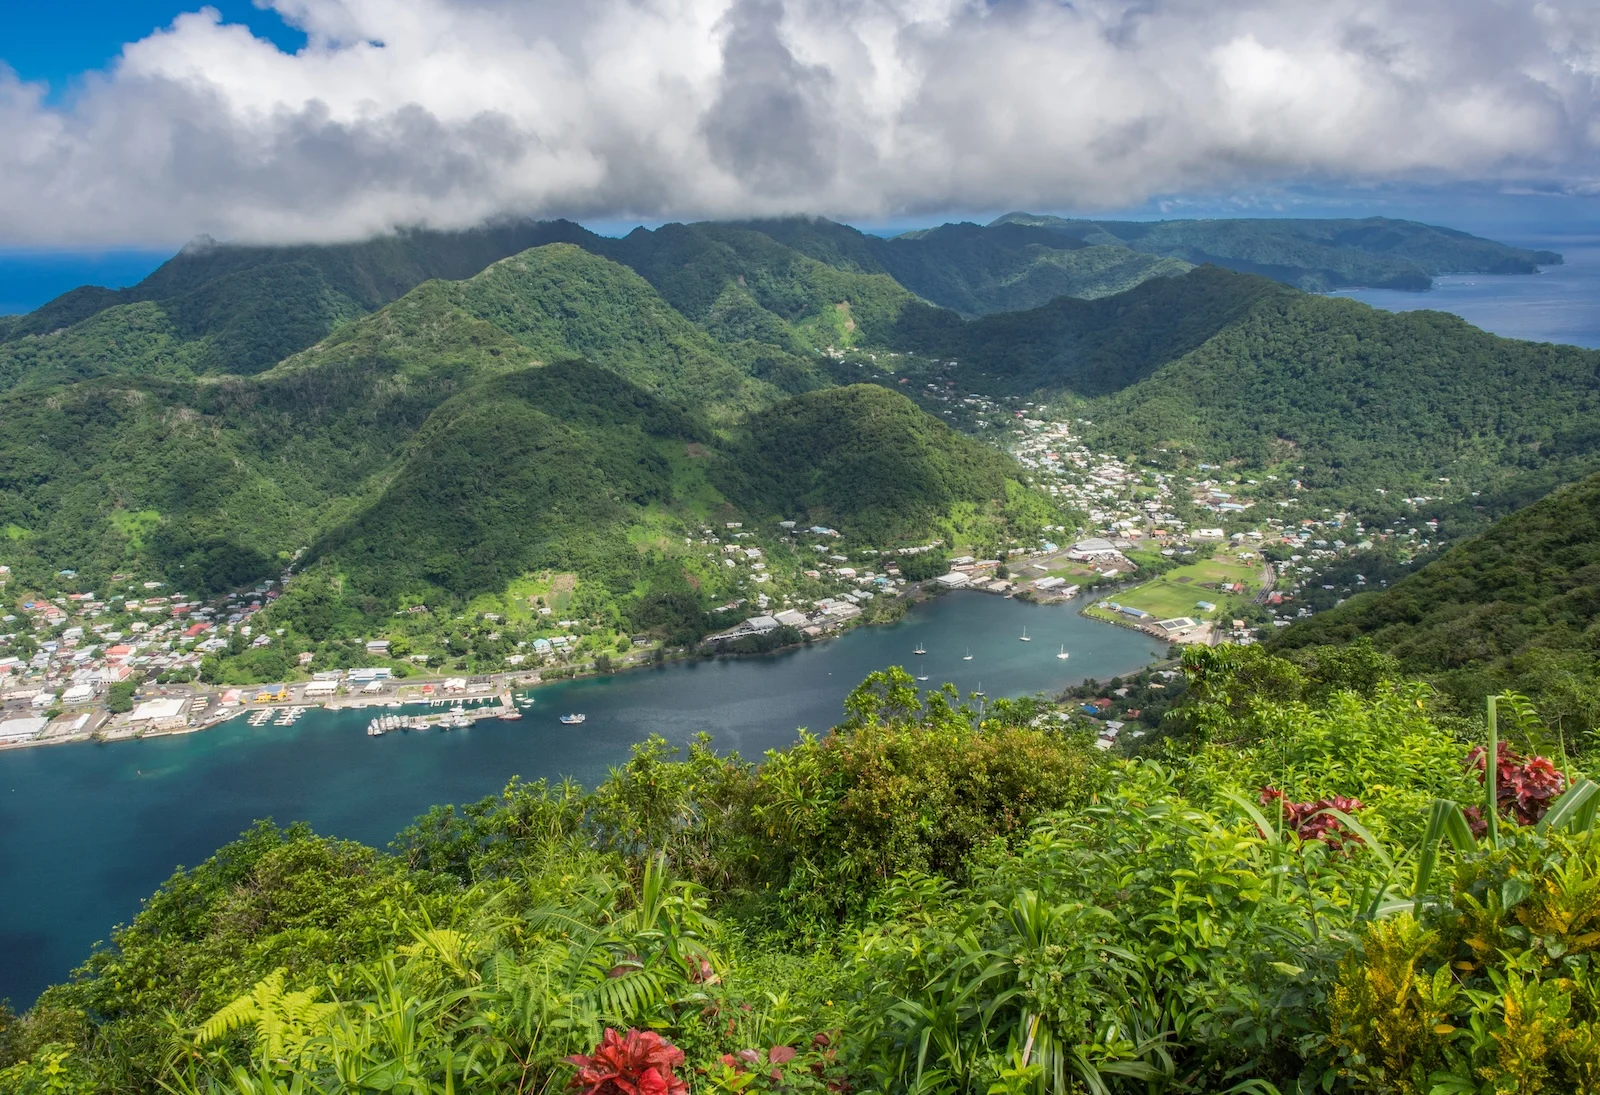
{"x":119,"y":697}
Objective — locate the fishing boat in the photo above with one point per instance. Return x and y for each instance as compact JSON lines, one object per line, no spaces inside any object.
{"x":919,"y":649}
{"x":572,"y":720}
{"x":1024,"y":637}
{"x":375,"y":729}
{"x":967,"y":657}
{"x":1063,"y":655}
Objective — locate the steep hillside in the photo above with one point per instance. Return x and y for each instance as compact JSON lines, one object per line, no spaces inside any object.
{"x":1315,"y":255}
{"x":978,"y":271}
{"x":1357,"y":398}
{"x":865,"y":459}
{"x":537,"y":468}
{"x":546,"y":304}
{"x":1086,"y":347}
{"x":975,"y":270}
{"x":1518,"y":606}
{"x":231,"y":289}
{"x":740,"y":283}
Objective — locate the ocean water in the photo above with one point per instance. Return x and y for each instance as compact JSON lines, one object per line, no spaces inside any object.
{"x":1558,"y":304}
{"x":87,"y":831}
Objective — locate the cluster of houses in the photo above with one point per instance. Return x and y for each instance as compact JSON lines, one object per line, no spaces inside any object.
{"x":64,"y":651}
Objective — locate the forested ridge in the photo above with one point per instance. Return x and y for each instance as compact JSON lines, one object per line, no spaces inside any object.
{"x":1316,"y":255}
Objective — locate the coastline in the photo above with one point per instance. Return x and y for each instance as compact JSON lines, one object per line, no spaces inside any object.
{"x":408,"y":691}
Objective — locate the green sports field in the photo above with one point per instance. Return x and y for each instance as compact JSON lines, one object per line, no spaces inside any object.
{"x":1176,"y":592}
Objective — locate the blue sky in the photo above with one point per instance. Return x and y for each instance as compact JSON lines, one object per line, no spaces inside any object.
{"x":56,"y":41}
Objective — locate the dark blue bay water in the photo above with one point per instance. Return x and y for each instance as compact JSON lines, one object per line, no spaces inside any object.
{"x":1558,"y":304}
{"x":87,"y":831}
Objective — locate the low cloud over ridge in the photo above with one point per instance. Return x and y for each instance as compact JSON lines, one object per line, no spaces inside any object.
{"x":446,"y":112}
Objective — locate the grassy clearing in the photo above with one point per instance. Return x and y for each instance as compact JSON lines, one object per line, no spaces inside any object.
{"x":1177,"y":592}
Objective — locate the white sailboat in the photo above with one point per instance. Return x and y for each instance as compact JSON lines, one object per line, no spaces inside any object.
{"x":967,"y":657}
{"x":1063,"y":655}
{"x":919,"y":649}
{"x":1025,"y":636}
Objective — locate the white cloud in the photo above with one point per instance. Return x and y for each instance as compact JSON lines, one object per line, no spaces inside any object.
{"x":444,"y":112}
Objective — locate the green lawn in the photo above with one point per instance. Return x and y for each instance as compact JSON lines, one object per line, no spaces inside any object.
{"x":1176,"y":592}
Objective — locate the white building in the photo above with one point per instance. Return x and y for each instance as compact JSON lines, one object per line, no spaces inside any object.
{"x":159,"y":713}
{"x":15,"y":730}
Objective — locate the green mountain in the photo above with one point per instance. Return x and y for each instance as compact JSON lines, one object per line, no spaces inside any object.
{"x":545,"y":304}
{"x":864,"y":458}
{"x":540,"y":468}
{"x":1360,"y":399}
{"x":1516,"y":607}
{"x":1347,"y":398}
{"x":238,"y":309}
{"x":975,"y":270}
{"x":1316,"y":255}
{"x":1083,"y":346}
{"x":739,"y":283}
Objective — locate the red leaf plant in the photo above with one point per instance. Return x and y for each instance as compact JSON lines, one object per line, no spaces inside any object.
{"x":772,"y":1059}
{"x":1307,"y":820}
{"x":1524,"y":786}
{"x":640,"y":1062}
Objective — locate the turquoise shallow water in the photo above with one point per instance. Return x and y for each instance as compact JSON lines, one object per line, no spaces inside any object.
{"x":88,"y":831}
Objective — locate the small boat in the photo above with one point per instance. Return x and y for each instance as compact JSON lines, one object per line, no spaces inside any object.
{"x":1025,"y":636}
{"x":980,"y":691}
{"x":922,"y":677}
{"x":374,"y":729}
{"x":967,"y":657}
{"x":1063,"y":655}
{"x":510,"y":716}
{"x":572,"y":720}
{"x":919,"y":649}
{"x":460,"y":722}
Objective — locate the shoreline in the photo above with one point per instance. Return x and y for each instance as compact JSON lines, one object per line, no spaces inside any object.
{"x":520,"y":683}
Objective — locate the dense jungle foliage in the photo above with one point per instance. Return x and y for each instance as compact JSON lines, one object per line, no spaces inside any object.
{"x":1518,"y":605}
{"x":1087,"y":347}
{"x":867,"y":459}
{"x":936,"y":896}
{"x":1315,"y":255}
{"x":1358,"y":399}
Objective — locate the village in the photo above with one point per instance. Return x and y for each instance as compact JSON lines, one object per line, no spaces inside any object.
{"x":1198,"y":555}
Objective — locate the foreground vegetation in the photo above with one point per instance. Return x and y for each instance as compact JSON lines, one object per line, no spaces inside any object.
{"x":934,"y":897}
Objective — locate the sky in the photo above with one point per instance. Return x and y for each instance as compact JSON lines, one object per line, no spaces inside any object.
{"x":134,"y":126}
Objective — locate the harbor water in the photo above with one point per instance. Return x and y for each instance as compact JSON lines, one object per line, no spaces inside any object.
{"x":91,"y":830}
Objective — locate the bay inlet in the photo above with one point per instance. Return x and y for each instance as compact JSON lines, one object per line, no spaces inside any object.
{"x":88,"y":831}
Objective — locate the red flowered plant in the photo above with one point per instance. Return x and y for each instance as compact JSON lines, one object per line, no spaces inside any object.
{"x":1524,"y":786}
{"x":640,"y":1062}
{"x":1307,"y":819}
